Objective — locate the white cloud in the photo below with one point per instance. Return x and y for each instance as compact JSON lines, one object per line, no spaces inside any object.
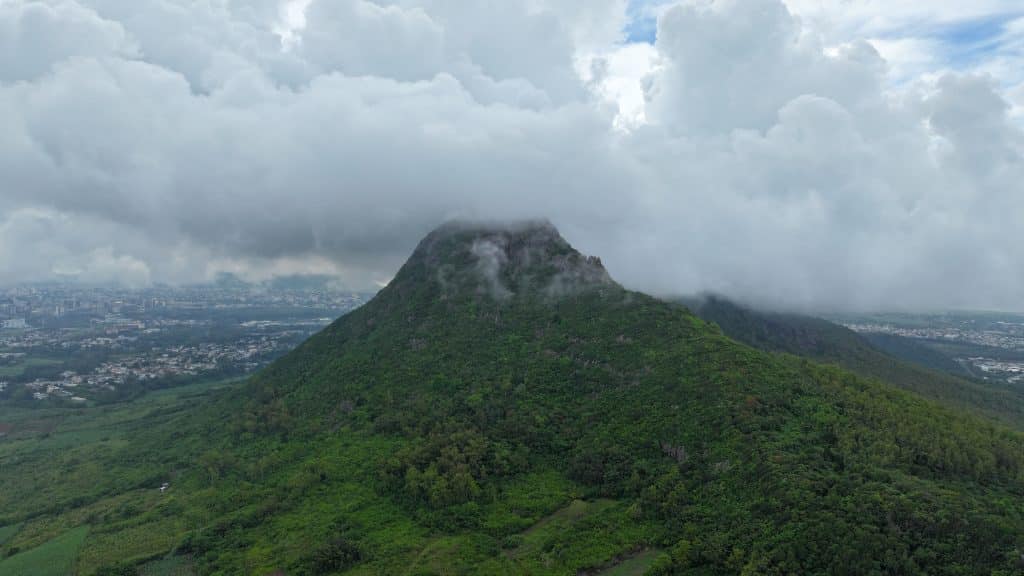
{"x":619,"y":76}
{"x":919,"y":38}
{"x":908,"y":58}
{"x":838,"y":19}
{"x":38,"y":245}
{"x":167,"y":141}
{"x":734,"y":64}
{"x":1016,"y":97}
{"x":35,"y":35}
{"x":361,"y":38}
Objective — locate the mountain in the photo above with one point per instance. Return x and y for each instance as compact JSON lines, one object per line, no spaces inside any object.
{"x":910,"y":350}
{"x":504,"y":407}
{"x":831,"y":343}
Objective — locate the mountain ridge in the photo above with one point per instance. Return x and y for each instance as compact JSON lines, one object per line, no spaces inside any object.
{"x":824,"y":341}
{"x":446,"y":429}
{"x":619,"y":392}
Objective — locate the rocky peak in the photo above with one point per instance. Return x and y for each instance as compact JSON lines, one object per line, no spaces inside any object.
{"x":503,"y":260}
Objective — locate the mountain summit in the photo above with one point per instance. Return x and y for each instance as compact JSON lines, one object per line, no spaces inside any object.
{"x":503,"y":407}
{"x":544,"y":420}
{"x":502,"y":261}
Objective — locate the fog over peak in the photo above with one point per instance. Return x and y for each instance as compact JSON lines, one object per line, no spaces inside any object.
{"x":168,"y":141}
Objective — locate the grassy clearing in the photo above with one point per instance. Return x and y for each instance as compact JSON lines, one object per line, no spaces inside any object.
{"x":54,"y":558}
{"x":173,"y":566}
{"x":637,"y":565}
{"x":8,"y":532}
{"x":125,"y":542}
{"x":68,"y":463}
{"x":534,"y":539}
{"x":15,"y":370}
{"x":598,"y":533}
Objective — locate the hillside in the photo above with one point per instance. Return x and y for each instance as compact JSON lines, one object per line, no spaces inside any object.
{"x":504,"y":407}
{"x":910,"y":350}
{"x":880,"y":356}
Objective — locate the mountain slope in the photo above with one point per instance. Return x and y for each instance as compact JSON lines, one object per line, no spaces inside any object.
{"x":909,"y":350}
{"x":827,"y":342}
{"x":504,"y":407}
{"x":472,"y":352}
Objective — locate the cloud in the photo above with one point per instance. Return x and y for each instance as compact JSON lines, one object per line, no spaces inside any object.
{"x":925,"y":38}
{"x":742,"y":152}
{"x":735,"y":66}
{"x":35,"y":35}
{"x":40,"y":245}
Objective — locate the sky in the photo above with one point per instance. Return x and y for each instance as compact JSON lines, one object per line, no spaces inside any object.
{"x":802,"y":154}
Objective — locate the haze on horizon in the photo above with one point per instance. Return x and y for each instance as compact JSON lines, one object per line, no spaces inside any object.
{"x":824,"y":155}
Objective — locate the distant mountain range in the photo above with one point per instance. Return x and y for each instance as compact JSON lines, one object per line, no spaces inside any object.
{"x":504,"y":407}
{"x":302,"y":282}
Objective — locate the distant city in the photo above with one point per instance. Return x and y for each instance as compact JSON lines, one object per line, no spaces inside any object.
{"x":989,"y":345}
{"x":80,"y":345}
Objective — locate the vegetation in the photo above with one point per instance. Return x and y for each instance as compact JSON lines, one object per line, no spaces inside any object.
{"x":528,"y":417}
{"x":911,"y":350}
{"x":8,"y":532}
{"x":898,"y":361}
{"x":54,"y":558}
{"x":18,"y":367}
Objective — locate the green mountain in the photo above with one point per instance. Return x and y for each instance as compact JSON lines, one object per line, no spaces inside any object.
{"x":913,"y":351}
{"x":900,"y":362}
{"x":504,"y":407}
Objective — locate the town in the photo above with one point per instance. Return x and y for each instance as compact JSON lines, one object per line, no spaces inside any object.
{"x":79,"y":345}
{"x":989,"y":345}
{"x":1010,"y":338}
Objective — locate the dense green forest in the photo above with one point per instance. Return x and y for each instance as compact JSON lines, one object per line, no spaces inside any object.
{"x":504,"y":407}
{"x":897,"y":361}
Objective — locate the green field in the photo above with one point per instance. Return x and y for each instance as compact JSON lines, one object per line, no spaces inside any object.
{"x":54,"y":558}
{"x":67,"y":465}
{"x":637,"y":565}
{"x":17,"y":369}
{"x":8,"y":532}
{"x":173,"y":566}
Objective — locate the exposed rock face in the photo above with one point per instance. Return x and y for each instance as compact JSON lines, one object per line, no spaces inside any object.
{"x":503,"y":260}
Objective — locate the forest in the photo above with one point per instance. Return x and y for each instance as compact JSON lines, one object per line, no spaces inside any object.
{"x":470,"y":422}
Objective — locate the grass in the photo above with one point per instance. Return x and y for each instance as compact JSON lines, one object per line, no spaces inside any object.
{"x":637,"y":565}
{"x":18,"y":369}
{"x":172,"y":566}
{"x":131,"y":543}
{"x":64,"y":466}
{"x":535,"y":537}
{"x":8,"y":532}
{"x":54,"y":558}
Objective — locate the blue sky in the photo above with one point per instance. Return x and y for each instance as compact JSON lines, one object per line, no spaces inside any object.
{"x":970,"y":42}
{"x":959,"y":44}
{"x":643,"y":26}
